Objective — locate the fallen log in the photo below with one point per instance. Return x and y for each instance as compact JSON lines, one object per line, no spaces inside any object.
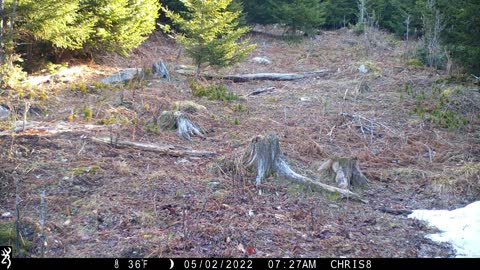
{"x":169,"y":150}
{"x":262,"y":76}
{"x":50,"y":128}
{"x":265,"y":156}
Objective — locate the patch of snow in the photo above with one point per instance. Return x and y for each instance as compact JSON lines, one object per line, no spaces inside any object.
{"x":459,"y":227}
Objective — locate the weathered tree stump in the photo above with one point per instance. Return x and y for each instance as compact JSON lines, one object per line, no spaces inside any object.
{"x":169,"y":120}
{"x":265,"y":156}
{"x":343,"y":171}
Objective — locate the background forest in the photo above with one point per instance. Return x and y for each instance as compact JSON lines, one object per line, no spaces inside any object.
{"x":233,"y":128}
{"x":35,"y":33}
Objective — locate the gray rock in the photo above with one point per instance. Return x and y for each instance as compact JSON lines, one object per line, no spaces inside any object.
{"x":363,"y":69}
{"x":123,"y":76}
{"x":4,"y":112}
{"x":261,"y":60}
{"x":159,"y":69}
{"x":305,"y":99}
{"x":214,"y":184}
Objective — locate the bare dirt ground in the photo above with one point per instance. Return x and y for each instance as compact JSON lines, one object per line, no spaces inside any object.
{"x":104,"y":201}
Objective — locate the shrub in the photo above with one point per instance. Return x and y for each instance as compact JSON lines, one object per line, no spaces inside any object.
{"x":11,"y":73}
{"x":442,"y":107}
{"x":213,"y":92}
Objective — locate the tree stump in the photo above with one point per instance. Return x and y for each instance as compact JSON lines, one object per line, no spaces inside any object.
{"x":265,"y":156}
{"x":170,"y":120}
{"x":345,"y":172}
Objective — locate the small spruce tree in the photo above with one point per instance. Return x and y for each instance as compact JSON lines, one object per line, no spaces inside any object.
{"x":210,"y":34}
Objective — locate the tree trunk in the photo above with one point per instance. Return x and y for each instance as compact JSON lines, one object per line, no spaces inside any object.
{"x":1,"y":33}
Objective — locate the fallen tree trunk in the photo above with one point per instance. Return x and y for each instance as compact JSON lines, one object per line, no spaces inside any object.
{"x":262,"y":76}
{"x":169,"y":150}
{"x":264,"y":154}
{"x":50,"y":128}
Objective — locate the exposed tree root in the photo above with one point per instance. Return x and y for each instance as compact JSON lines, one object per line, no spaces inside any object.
{"x":177,"y":120}
{"x":265,"y":156}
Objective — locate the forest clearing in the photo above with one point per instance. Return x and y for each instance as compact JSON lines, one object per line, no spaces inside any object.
{"x":104,"y":199}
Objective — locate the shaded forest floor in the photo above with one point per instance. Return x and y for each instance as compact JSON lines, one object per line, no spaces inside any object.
{"x":103,"y":201}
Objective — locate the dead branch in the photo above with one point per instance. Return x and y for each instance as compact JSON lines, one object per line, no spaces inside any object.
{"x":262,"y":76}
{"x":265,"y":156}
{"x":261,"y":91}
{"x":396,"y":212}
{"x":169,"y":150}
{"x":367,"y":125}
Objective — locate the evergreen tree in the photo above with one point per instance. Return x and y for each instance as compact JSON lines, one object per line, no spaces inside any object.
{"x":461,"y":35}
{"x":258,"y":11}
{"x":392,"y":14}
{"x":58,"y":22}
{"x":339,"y":13}
{"x":304,"y":15}
{"x":211,"y":33}
{"x":107,"y":25}
{"x":119,"y":25}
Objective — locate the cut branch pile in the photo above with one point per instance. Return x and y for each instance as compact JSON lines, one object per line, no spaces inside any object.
{"x":169,"y":120}
{"x":265,"y":156}
{"x":368,"y":126}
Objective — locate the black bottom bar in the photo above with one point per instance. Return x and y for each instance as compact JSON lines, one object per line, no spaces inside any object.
{"x":241,"y":263}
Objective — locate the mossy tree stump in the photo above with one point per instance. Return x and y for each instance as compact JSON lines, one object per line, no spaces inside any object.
{"x":170,"y":120}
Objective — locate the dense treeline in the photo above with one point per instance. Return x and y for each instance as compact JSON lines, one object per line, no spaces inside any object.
{"x":48,"y":28}
{"x":455,"y":24}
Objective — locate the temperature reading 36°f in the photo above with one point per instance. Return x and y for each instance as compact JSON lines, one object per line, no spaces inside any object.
{"x":137,"y":264}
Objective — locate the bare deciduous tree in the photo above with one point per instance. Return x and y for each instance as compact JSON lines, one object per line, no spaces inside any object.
{"x":433,"y":25}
